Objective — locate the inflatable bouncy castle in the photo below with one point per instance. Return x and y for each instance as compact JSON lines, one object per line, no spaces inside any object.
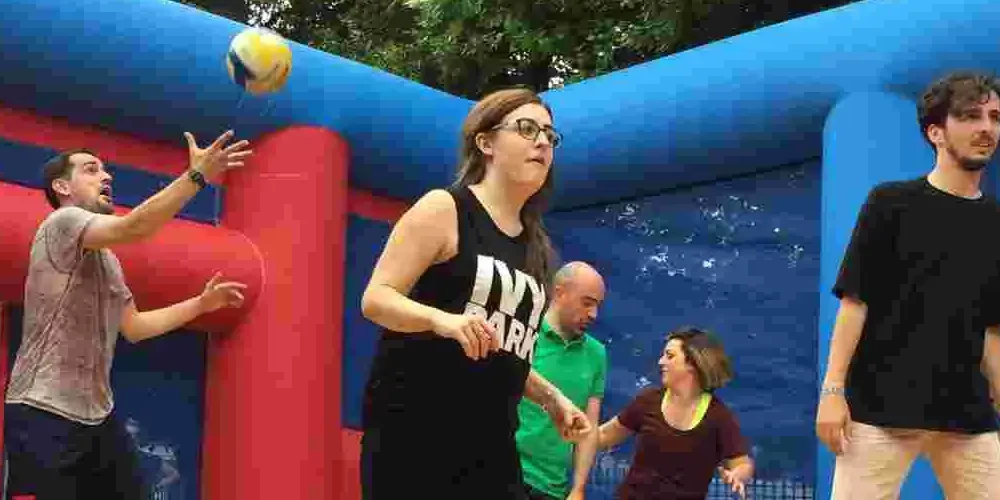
{"x":716,"y":186}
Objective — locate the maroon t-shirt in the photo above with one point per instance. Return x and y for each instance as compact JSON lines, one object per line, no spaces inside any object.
{"x":672,"y":464}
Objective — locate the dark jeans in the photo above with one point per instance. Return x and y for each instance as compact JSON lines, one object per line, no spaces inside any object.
{"x":54,"y":458}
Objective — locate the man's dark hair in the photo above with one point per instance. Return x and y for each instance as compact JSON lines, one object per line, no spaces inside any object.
{"x":58,"y":167}
{"x":951,"y":95}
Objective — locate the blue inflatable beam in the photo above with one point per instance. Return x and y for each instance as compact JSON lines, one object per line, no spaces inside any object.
{"x":155,"y":68}
{"x":757,"y":100}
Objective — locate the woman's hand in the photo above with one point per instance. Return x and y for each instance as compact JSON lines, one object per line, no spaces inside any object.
{"x":476,"y":336}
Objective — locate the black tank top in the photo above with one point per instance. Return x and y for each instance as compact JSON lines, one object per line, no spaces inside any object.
{"x":423,"y":379}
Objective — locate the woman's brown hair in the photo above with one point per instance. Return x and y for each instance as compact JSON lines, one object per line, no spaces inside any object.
{"x":705,"y":353}
{"x":484,"y":116}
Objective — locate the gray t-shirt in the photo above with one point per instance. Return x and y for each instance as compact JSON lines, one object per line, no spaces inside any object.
{"x":73,"y":303}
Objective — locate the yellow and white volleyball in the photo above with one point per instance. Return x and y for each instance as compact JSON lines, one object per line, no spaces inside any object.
{"x":259,"y":60}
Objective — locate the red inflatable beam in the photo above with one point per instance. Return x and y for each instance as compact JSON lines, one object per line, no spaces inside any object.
{"x":369,"y":206}
{"x":56,"y":133}
{"x":171,"y":266}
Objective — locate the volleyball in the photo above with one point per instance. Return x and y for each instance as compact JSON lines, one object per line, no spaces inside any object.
{"x":259,"y":60}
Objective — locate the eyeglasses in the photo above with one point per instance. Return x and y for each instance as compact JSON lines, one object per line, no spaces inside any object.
{"x":529,"y":129}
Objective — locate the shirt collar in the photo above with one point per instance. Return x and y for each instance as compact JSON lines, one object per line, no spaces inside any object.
{"x":547,"y":330}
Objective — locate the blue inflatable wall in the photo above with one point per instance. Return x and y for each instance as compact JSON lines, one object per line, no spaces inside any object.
{"x":709,"y":256}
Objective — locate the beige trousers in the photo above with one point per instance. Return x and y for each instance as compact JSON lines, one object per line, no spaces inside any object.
{"x":876,"y":461}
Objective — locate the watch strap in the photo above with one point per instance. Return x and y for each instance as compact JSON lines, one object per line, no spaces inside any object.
{"x":196,"y":177}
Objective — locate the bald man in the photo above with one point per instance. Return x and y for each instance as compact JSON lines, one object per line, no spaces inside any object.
{"x":568,"y":357}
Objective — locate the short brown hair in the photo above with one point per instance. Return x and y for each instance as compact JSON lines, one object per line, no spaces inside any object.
{"x":704,"y":352}
{"x":58,"y":167}
{"x":951,"y":94}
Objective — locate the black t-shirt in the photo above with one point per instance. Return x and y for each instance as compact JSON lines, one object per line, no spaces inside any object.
{"x":426,"y":380}
{"x":927,"y":265}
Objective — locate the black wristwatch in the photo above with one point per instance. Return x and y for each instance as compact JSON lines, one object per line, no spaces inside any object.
{"x":196,"y":177}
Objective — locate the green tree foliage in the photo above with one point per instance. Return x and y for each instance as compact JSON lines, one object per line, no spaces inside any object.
{"x":469,"y":47}
{"x":237,"y":10}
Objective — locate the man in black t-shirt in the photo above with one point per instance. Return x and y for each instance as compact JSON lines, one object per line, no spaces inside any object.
{"x":919,"y":290}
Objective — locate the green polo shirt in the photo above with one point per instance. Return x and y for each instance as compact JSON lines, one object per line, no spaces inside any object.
{"x":578,"y":369}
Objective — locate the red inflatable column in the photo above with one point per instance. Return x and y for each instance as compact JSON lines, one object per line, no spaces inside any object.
{"x":272,"y":409}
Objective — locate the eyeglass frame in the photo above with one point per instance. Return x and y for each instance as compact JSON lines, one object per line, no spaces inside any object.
{"x":555,"y":138}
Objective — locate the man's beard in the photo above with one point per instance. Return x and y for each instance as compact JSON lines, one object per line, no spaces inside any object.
{"x":971,"y":165}
{"x":966,"y":163}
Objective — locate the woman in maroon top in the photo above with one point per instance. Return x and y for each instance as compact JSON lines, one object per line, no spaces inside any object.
{"x":684,"y":431}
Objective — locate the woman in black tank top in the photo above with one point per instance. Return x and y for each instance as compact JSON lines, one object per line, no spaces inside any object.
{"x":459,"y":291}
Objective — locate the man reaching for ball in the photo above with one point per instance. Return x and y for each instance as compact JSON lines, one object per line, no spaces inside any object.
{"x":62,"y":438}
